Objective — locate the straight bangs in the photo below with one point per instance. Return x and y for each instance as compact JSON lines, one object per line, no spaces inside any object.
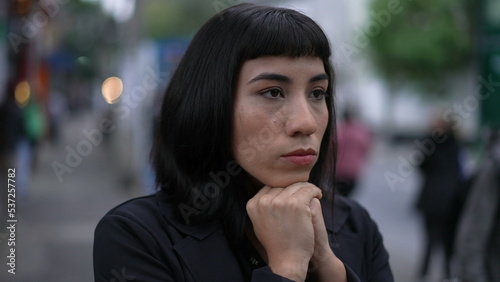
{"x":287,"y":33}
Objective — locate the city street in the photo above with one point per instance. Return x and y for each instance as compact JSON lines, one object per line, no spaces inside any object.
{"x":57,"y":219}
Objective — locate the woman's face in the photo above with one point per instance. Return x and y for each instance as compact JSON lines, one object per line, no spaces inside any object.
{"x":280,"y":116}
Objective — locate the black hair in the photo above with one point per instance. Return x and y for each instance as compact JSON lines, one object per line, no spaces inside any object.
{"x":193,"y":140}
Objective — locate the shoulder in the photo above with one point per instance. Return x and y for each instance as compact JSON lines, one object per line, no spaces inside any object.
{"x":140,"y":204}
{"x":139,"y":211}
{"x":357,"y":241}
{"x":153,"y":215}
{"x":137,"y":219}
{"x":140,"y":235}
{"x":130,"y":232}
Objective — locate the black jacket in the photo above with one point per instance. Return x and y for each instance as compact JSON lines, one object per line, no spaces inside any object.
{"x":142,"y":240}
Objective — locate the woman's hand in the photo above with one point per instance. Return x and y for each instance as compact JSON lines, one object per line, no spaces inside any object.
{"x":324,"y":263}
{"x":283,"y":223}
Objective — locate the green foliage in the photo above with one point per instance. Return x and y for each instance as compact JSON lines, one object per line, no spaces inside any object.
{"x":180,"y":18}
{"x":161,"y":19}
{"x":87,"y":33}
{"x":85,"y":26}
{"x":421,"y":44}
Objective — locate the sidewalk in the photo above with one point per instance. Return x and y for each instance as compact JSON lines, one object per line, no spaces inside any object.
{"x":392,"y":208}
{"x":57,"y":220}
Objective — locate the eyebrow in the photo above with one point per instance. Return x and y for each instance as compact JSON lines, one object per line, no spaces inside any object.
{"x":322,"y":76}
{"x":270,"y":76}
{"x":283,"y":78}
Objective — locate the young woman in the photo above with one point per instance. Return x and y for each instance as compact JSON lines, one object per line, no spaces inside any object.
{"x":240,"y":153}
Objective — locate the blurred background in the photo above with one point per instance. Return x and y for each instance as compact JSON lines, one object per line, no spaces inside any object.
{"x":81,"y":81}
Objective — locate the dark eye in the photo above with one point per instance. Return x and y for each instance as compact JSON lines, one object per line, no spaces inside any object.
{"x":318,"y":94}
{"x":272,"y":93}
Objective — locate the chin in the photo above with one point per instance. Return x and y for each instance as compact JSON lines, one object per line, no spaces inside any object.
{"x":286,"y":180}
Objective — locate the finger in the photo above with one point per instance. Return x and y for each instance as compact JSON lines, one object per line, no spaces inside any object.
{"x":263,"y":196}
{"x":322,"y":248}
{"x":296,"y":187}
{"x":269,"y":196}
{"x":262,"y":191}
{"x":306,"y":191}
{"x":252,"y":203}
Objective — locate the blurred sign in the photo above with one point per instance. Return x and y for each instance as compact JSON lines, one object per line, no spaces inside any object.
{"x":170,"y":52}
{"x":490,"y":63}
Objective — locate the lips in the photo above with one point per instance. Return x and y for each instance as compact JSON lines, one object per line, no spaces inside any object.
{"x":301,"y":157}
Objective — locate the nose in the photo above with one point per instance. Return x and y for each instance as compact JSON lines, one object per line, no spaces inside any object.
{"x":300,"y":118}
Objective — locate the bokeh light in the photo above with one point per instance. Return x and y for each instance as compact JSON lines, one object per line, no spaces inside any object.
{"x":22,"y":94}
{"x":112,"y":89}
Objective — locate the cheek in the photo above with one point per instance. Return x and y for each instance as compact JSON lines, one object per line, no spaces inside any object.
{"x":322,"y":118}
{"x":242,"y":141}
{"x":251,"y":137}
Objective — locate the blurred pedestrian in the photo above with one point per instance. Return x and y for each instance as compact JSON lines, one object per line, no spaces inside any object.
{"x":239,"y":154}
{"x":27,"y":147}
{"x":12,"y":127}
{"x":11,"y":132}
{"x":354,"y":141}
{"x":478,"y":238}
{"x":440,"y":194}
{"x":56,"y":110}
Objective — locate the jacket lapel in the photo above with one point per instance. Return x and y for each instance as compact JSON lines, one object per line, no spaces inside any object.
{"x":340,"y":212}
{"x":204,"y":251}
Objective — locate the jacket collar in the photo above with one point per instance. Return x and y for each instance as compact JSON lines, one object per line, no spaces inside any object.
{"x":205,"y":252}
{"x":170,"y":212}
{"x":336,"y":219}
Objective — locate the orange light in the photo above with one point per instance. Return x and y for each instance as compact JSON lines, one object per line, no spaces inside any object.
{"x":23,"y":6}
{"x":112,"y":89}
{"x":22,"y":94}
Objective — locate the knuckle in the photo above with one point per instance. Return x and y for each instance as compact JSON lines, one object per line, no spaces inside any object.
{"x":265,"y":199}
{"x":278,"y":203}
{"x":311,"y":189}
{"x":250,"y":205}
